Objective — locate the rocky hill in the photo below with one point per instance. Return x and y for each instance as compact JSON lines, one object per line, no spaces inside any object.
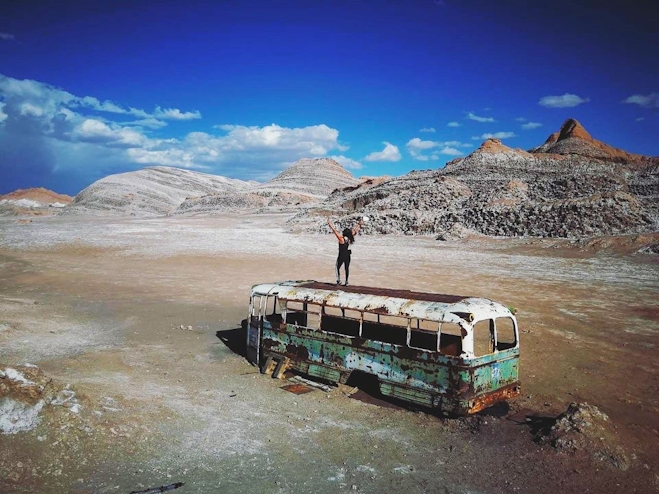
{"x":151,"y":191}
{"x":305,"y":182}
{"x":32,"y":201}
{"x":311,"y":177}
{"x":163,"y":190}
{"x":571,"y":186}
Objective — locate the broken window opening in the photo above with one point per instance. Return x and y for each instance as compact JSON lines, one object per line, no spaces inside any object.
{"x":484,"y":337}
{"x":333,"y":320}
{"x":273,"y":310}
{"x":505,"y":333}
{"x":385,"y":329}
{"x":450,"y":339}
{"x":424,"y":334}
{"x":303,"y":314}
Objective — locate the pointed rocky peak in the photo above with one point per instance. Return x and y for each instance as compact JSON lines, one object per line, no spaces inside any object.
{"x":571,"y":128}
{"x":573,"y":138}
{"x":311,"y":176}
{"x":494,"y":146}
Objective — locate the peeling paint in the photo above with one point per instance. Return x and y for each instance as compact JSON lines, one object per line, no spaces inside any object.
{"x":460,"y":384}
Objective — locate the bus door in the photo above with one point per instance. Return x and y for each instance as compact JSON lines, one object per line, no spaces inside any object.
{"x":255,"y":328}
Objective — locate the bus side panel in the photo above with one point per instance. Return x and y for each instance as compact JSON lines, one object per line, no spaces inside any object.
{"x":411,"y":371}
{"x":497,"y":373}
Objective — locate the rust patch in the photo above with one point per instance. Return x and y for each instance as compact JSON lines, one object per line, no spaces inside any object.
{"x":297,"y":389}
{"x":484,"y":401}
{"x":387,"y":292}
{"x":297,"y":351}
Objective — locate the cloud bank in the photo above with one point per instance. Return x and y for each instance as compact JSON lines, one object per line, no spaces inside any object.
{"x":67,"y":141}
{"x":496,"y":135}
{"x":389,"y":153}
{"x":472,"y":116}
{"x":431,"y":150}
{"x":565,"y":101}
{"x":646,"y":101}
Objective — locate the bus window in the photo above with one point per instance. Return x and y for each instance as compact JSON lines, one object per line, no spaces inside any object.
{"x":371,"y":317}
{"x":256,"y":305}
{"x":333,"y":311}
{"x":390,"y":329}
{"x":424,"y":334}
{"x":272,"y":310}
{"x":505,"y":334}
{"x":333,"y":321}
{"x":313,"y":316}
{"x":450,"y":339}
{"x":484,"y":337}
{"x":352,"y":314}
{"x":295,"y":314}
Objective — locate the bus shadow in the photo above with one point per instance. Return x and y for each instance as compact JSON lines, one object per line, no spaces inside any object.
{"x":235,"y":339}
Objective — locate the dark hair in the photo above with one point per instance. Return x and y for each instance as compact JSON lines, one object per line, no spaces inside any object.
{"x":347,"y":232}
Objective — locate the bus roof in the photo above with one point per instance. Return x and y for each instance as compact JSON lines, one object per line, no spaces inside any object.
{"x":405,"y":303}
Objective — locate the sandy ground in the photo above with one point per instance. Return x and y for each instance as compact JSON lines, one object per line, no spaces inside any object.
{"x":98,"y":305}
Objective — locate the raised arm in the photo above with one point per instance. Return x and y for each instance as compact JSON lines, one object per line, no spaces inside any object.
{"x":357,"y":227}
{"x":338,"y":235}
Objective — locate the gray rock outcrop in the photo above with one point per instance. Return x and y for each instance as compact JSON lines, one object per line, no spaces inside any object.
{"x":155,"y":190}
{"x":582,"y":187}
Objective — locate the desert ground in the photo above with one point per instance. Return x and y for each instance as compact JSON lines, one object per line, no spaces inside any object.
{"x":134,"y":328}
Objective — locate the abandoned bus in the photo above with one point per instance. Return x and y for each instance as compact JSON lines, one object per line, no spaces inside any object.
{"x":455,"y":354}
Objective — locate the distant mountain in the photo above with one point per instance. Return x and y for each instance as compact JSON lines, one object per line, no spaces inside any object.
{"x":572,"y":138}
{"x":156,"y":190}
{"x":305,"y":182}
{"x":571,"y":186}
{"x":34,"y":201}
{"x":163,"y":190}
{"x":312,"y":177}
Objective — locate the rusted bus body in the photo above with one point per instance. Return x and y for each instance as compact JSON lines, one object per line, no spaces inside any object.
{"x":456,"y":354}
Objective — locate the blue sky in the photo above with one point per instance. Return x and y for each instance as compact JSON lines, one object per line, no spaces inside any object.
{"x":245,"y":88}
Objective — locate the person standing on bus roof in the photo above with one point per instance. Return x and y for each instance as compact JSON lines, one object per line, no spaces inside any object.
{"x":346,"y":238}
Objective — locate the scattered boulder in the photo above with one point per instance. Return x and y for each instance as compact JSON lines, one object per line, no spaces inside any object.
{"x":23,"y":393}
{"x":583,"y":428}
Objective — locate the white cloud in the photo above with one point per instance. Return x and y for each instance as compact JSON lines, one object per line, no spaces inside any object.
{"x":418,"y":144}
{"x":106,"y":106}
{"x":639,"y":119}
{"x":416,"y":147}
{"x":454,"y":124}
{"x":65,"y":132}
{"x":472,"y":116}
{"x":646,"y":101}
{"x":496,"y":135}
{"x":428,"y":129}
{"x":7,"y":36}
{"x":38,"y":99}
{"x":565,"y":101}
{"x":389,"y":153}
{"x":531,"y":125}
{"x":150,"y":122}
{"x":520,"y":119}
{"x":176,"y":114}
{"x":450,"y":151}
{"x":347,"y":162}
{"x":92,"y":130}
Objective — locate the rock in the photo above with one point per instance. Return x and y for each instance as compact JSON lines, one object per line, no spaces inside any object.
{"x":572,"y":187}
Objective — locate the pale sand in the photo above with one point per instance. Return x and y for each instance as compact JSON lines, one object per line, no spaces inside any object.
{"x":178,"y":405}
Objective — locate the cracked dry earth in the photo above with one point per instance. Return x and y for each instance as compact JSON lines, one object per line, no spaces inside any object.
{"x":129,"y":331}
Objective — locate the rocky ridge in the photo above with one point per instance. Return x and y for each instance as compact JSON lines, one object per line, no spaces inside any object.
{"x":33,"y":201}
{"x":164,"y":190}
{"x":151,"y":191}
{"x":581,"y":188}
{"x":305,"y":182}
